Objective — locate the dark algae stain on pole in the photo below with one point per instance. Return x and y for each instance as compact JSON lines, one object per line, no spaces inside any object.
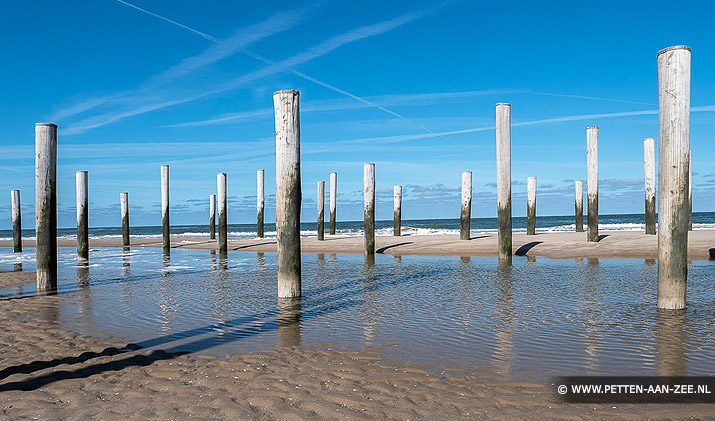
{"x":46,"y":206}
{"x":288,"y":192}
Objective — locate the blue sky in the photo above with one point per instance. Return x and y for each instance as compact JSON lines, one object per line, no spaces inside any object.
{"x":409,"y":85}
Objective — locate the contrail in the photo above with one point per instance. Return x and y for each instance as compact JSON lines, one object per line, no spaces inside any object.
{"x":295,"y":72}
{"x":199,"y":33}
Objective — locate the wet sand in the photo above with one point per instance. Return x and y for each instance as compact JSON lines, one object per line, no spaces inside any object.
{"x":559,"y":245}
{"x":48,"y":371}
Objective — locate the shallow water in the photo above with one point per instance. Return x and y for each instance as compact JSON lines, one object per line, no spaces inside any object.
{"x":539,"y":316}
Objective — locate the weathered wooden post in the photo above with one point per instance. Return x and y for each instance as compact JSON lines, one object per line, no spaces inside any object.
{"x":222,"y":211}
{"x":212,"y":216}
{"x":369,"y":213}
{"x":649,"y":168}
{"x":690,"y":190}
{"x":673,"y":169}
{"x":82,"y":217}
{"x":531,"y":206}
{"x":166,"y":227}
{"x":578,"y":188}
{"x":260,"y":202}
{"x":333,"y":200}
{"x":503,"y":126}
{"x":124,"y":207}
{"x":288,"y":194}
{"x":465,"y":214}
{"x":321,"y":210}
{"x":16,"y":222}
{"x":46,"y":206}
{"x":397,"y":213}
{"x":592,"y":180}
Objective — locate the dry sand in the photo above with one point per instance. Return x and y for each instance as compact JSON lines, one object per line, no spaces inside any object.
{"x":559,"y":245}
{"x":47,"y":371}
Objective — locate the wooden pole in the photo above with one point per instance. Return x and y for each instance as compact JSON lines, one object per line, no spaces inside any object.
{"x":531,"y":206}
{"x":369,"y":213}
{"x":592,"y":180}
{"x":397,"y":211}
{"x":46,"y":206}
{"x":124,"y":205}
{"x":690,"y":190}
{"x":321,"y":210}
{"x":465,"y":215}
{"x":260,"y":202}
{"x":16,"y":222}
{"x":288,"y":194}
{"x":166,"y":227}
{"x":578,"y":189}
{"x":333,"y":200}
{"x":673,"y":169}
{"x":503,"y":126}
{"x":222,"y":212}
{"x":649,"y":168}
{"x":81,"y":180}
{"x":212,"y":216}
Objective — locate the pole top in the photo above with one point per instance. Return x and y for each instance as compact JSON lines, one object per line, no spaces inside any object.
{"x":466,"y":172}
{"x":286,"y":91}
{"x":649,"y":139}
{"x":124,"y":192}
{"x":46,"y":124}
{"x":82,"y":172}
{"x":675,"y":47}
{"x":16,"y":190}
{"x":504,"y":104}
{"x":592,"y":127}
{"x":532,"y":178}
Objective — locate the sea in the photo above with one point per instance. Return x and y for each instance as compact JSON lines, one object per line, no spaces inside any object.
{"x":619,"y":222}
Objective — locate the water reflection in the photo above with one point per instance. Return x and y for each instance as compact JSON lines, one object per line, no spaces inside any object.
{"x":166,"y":260}
{"x":590,"y":292}
{"x":126,"y":262}
{"x":333,"y":257}
{"x":465,"y":259}
{"x":650,"y":262}
{"x":17,"y":267}
{"x":288,"y":322}
{"x":593,"y":261}
{"x":370,"y":303}
{"x":398,"y":259}
{"x":369,"y":259}
{"x":83,"y":275}
{"x":672,"y":337}
{"x":261,"y":259}
{"x":213,"y":259}
{"x":223,"y":260}
{"x":49,"y":311}
{"x":504,"y":315}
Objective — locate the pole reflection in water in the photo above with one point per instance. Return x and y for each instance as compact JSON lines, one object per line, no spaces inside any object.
{"x":288,"y":323}
{"x":504,"y":315}
{"x":672,"y":340}
{"x":369,"y":299}
{"x":126,"y":262}
{"x":222,"y":298}
{"x":223,"y":260}
{"x":650,"y":262}
{"x":17,"y":267}
{"x":465,"y":259}
{"x":261,"y":259}
{"x":333,"y":257}
{"x":166,"y":299}
{"x":83,"y":275}
{"x":213,"y":259}
{"x":590,"y":309}
{"x":465,"y":284}
{"x":531,"y":259}
{"x":398,"y":259}
{"x":166,"y":260}
{"x":49,"y":311}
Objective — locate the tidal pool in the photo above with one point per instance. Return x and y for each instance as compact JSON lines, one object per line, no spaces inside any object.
{"x":538,"y":317}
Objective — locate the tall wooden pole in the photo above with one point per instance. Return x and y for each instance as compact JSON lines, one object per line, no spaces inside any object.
{"x":166,"y":227}
{"x":531,"y":206}
{"x":288,"y":194}
{"x":16,"y":222}
{"x":503,"y":125}
{"x":81,"y":180}
{"x":333,"y":200}
{"x":222,"y":212}
{"x":260,"y":202}
{"x":649,"y":168}
{"x":46,"y":206}
{"x":592,"y":180}
{"x":124,"y":207}
{"x":369,"y":213}
{"x":465,"y":214}
{"x":397,"y":211}
{"x":321,"y":210}
{"x":578,"y":190}
{"x":212,"y":216}
{"x":673,"y":170}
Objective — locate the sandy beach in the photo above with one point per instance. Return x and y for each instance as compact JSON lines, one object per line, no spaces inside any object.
{"x":50,"y":372}
{"x":558,"y":245}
